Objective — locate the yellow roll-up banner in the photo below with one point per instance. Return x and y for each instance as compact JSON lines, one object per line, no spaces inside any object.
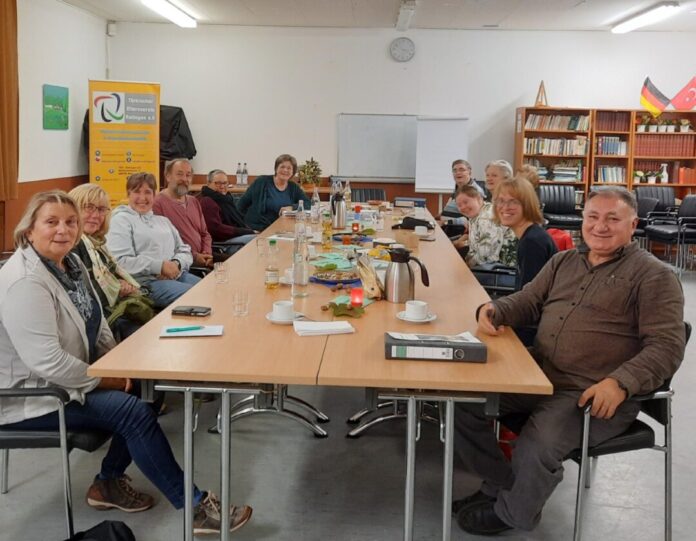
{"x":124,"y":121}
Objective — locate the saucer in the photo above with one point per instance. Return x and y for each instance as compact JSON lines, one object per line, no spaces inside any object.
{"x":269,"y":317}
{"x":402,"y":316}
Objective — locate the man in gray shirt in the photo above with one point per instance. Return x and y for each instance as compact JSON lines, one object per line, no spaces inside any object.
{"x":610,"y":325}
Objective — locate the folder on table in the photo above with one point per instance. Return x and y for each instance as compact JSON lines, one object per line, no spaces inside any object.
{"x":463,"y":347}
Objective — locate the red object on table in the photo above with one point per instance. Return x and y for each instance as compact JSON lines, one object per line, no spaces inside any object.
{"x":357,"y":208}
{"x":355,"y":227}
{"x":356,"y":296}
{"x":346,"y":240}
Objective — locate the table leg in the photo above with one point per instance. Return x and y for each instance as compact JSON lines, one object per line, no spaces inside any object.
{"x":410,"y":467}
{"x":188,"y":465}
{"x":225,"y":467}
{"x":447,"y":471}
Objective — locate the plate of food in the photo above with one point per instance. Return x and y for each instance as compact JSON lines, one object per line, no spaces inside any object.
{"x":336,"y":276}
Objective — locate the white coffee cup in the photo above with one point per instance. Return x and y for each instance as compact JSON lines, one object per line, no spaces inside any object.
{"x":419,"y":212}
{"x":421,"y":230}
{"x":283,"y":311}
{"x":416,"y":309}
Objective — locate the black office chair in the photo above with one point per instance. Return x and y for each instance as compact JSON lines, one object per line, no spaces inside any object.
{"x":363,"y":195}
{"x":664,"y":195}
{"x":670,"y":228}
{"x":658,"y":406}
{"x":558,"y":203}
{"x":646,"y":205}
{"x":66,"y":440}
{"x":497,"y":279}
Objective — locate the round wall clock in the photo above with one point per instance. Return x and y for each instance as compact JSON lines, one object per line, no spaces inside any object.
{"x":402,"y":49}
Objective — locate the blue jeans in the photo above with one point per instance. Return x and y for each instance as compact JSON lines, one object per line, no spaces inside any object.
{"x":137,"y":437}
{"x":165,"y":292}
{"x":235,"y":244}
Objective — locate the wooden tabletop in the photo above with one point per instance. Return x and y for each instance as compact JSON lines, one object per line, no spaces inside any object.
{"x":252,"y":350}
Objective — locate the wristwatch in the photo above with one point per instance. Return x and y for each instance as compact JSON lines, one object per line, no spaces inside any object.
{"x":178,"y":263}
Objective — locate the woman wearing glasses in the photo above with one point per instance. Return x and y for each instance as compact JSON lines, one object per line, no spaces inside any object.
{"x":126,"y":306}
{"x":516,"y":206}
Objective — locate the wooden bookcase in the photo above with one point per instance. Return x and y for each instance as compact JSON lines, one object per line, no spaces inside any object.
{"x":616,"y":146}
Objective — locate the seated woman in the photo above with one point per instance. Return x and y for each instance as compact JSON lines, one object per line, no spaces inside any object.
{"x":488,"y":241}
{"x":531,"y":173}
{"x":51,"y":329}
{"x":225,"y":223}
{"x":125,"y":305}
{"x":496,"y":172}
{"x":269,"y":195}
{"x":461,"y":172}
{"x":517,"y":207}
{"x":148,"y":246}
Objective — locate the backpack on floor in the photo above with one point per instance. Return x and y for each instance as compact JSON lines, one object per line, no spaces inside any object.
{"x":109,"y":530}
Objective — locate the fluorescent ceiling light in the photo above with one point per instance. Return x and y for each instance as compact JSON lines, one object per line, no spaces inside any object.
{"x":406,"y":12}
{"x":171,"y":12}
{"x":655,"y":14}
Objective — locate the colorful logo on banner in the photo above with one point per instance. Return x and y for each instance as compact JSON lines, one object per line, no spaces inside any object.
{"x":656,"y":102}
{"x":123,"y":134}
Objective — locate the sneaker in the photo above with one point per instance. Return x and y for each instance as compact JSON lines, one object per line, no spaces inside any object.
{"x":474,"y":499}
{"x":206,"y":516}
{"x":118,"y":494}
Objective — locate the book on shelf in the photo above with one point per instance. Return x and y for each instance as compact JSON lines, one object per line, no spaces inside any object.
{"x":611,"y":146}
{"x":557,"y":122}
{"x":687,"y":175}
{"x":665,"y":145}
{"x":613,"y":121}
{"x":610,"y":174}
{"x":567,"y":171}
{"x":542,"y":170}
{"x":558,"y":146}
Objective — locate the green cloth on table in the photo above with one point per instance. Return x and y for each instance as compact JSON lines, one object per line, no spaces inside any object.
{"x":345,"y":299}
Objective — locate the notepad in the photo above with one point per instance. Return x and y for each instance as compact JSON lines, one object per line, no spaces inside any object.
{"x":319,"y":328}
{"x":207,"y":330}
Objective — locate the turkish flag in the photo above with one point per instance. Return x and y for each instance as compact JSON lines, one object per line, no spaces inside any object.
{"x":685,"y":100}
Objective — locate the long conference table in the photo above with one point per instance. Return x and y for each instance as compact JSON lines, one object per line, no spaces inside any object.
{"x":253,"y":352}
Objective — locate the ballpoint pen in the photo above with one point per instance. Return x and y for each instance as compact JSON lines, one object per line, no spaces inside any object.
{"x":183,"y":329}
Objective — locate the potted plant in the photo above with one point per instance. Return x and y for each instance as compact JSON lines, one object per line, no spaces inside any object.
{"x":651,"y":176}
{"x":661,"y":125}
{"x":309,"y":172}
{"x":644,"y":123}
{"x":638,"y":177}
{"x":684,"y":125}
{"x":652,"y":127}
{"x":671,"y":125}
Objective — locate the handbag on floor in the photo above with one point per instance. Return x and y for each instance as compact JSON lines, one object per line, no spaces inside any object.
{"x":108,"y":530}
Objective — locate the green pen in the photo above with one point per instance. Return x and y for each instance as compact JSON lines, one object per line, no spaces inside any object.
{"x":184,"y":329}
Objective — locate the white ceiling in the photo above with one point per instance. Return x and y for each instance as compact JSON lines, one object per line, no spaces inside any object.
{"x":441,"y":14}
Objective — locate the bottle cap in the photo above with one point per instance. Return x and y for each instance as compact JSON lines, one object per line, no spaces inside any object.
{"x":272,"y":242}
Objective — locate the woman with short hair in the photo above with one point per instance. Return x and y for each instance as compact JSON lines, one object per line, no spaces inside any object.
{"x":461,"y":173}
{"x":496,"y":172}
{"x":51,"y":330}
{"x":269,"y":195}
{"x":126,"y":306}
{"x":148,"y":246}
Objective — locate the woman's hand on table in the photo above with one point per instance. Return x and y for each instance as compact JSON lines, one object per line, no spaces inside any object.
{"x":116,"y":384}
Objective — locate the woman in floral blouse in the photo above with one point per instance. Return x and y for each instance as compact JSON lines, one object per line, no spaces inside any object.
{"x":488,"y":242}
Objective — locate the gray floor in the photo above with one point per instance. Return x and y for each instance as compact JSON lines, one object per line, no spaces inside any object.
{"x":303,"y":488}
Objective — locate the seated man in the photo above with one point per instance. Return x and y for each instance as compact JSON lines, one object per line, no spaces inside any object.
{"x":224,"y":221}
{"x":610,"y":326}
{"x":184,"y":211}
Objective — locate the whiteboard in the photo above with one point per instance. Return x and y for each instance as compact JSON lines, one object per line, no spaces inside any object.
{"x":377,"y":146}
{"x":439,"y":142}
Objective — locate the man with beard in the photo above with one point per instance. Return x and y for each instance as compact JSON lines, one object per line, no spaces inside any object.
{"x":184,"y":211}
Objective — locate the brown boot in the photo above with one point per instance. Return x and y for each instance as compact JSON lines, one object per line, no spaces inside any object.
{"x":207,"y":516}
{"x":118,"y":494}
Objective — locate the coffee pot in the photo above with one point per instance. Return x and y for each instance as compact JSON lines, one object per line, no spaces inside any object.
{"x":399,"y":281}
{"x":338,"y":211}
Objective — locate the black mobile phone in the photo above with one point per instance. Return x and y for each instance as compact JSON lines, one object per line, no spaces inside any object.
{"x":196,"y":311}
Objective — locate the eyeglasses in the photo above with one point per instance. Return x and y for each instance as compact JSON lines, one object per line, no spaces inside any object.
{"x":500,"y":203}
{"x":223,"y":183}
{"x":460,"y":170}
{"x":95,"y":209}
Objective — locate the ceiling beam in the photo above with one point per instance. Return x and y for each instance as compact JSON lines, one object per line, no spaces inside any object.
{"x":406,"y":12}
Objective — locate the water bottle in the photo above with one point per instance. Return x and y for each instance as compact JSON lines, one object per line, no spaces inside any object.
{"x":316,"y":205}
{"x":272,"y":272}
{"x":348,"y":194}
{"x":238,"y":174}
{"x":300,"y":267}
{"x":245,"y":174}
{"x":300,"y":220}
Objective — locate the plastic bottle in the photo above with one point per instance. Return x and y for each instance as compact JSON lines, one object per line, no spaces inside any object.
{"x":316,"y":205}
{"x":272,"y":274}
{"x":300,"y":267}
{"x":245,"y":174}
{"x":348,"y":194}
{"x":238,"y":174}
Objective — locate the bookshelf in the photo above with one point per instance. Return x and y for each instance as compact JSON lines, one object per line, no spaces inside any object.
{"x":590,"y":147}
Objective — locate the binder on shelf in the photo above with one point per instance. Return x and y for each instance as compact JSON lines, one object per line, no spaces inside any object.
{"x":462,"y":347}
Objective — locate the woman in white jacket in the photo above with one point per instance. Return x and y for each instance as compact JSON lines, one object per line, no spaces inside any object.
{"x":148,"y":246}
{"x":51,"y":328}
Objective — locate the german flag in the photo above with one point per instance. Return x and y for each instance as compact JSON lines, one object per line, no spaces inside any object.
{"x":652,"y":99}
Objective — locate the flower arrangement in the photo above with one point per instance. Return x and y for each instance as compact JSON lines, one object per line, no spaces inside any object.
{"x":309,"y":172}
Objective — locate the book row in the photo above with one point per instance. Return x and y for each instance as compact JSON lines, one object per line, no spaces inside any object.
{"x":611,"y":146}
{"x":612,"y":121}
{"x":610,"y":174}
{"x":559,"y":147}
{"x":558,"y":122}
{"x":665,"y":145}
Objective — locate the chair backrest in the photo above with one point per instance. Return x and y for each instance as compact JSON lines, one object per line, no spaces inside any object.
{"x":664,"y":195}
{"x":687,"y":207}
{"x":646,"y":205}
{"x":658,"y":408}
{"x":557,"y":199}
{"x":363,"y":195}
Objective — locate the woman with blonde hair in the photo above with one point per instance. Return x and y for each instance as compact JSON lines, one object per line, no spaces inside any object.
{"x":496,"y":172}
{"x":126,"y":305}
{"x":516,"y":206}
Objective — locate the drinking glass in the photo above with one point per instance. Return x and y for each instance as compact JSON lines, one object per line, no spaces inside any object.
{"x":262,"y":246}
{"x":240,"y":302}
{"x":221,"y":274}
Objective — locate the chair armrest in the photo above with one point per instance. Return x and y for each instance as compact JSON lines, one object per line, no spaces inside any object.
{"x":687,"y":220}
{"x":56,"y":392}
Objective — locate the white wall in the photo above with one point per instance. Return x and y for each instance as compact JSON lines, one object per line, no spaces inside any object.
{"x":251,"y":93}
{"x":64,"y":46}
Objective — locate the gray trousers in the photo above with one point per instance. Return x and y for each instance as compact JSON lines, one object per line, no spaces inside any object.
{"x":554,"y":428}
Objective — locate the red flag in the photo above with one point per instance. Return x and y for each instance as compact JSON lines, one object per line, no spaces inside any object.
{"x":685,"y":100}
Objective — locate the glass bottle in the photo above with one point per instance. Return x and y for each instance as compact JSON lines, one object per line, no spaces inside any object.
{"x":326,"y":231}
{"x":316,"y":206}
{"x":347,"y":194}
{"x":245,"y":174}
{"x":272,"y":274}
{"x":238,"y":174}
{"x":300,"y":267}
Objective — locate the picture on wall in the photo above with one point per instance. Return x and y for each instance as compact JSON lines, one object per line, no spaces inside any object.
{"x":55,"y":107}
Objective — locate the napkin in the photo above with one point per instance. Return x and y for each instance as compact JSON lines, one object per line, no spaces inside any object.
{"x":318,"y":328}
{"x":345,"y":299}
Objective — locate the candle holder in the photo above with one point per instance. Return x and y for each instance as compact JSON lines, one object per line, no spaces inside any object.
{"x":355,"y":227}
{"x":356,"y":296}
